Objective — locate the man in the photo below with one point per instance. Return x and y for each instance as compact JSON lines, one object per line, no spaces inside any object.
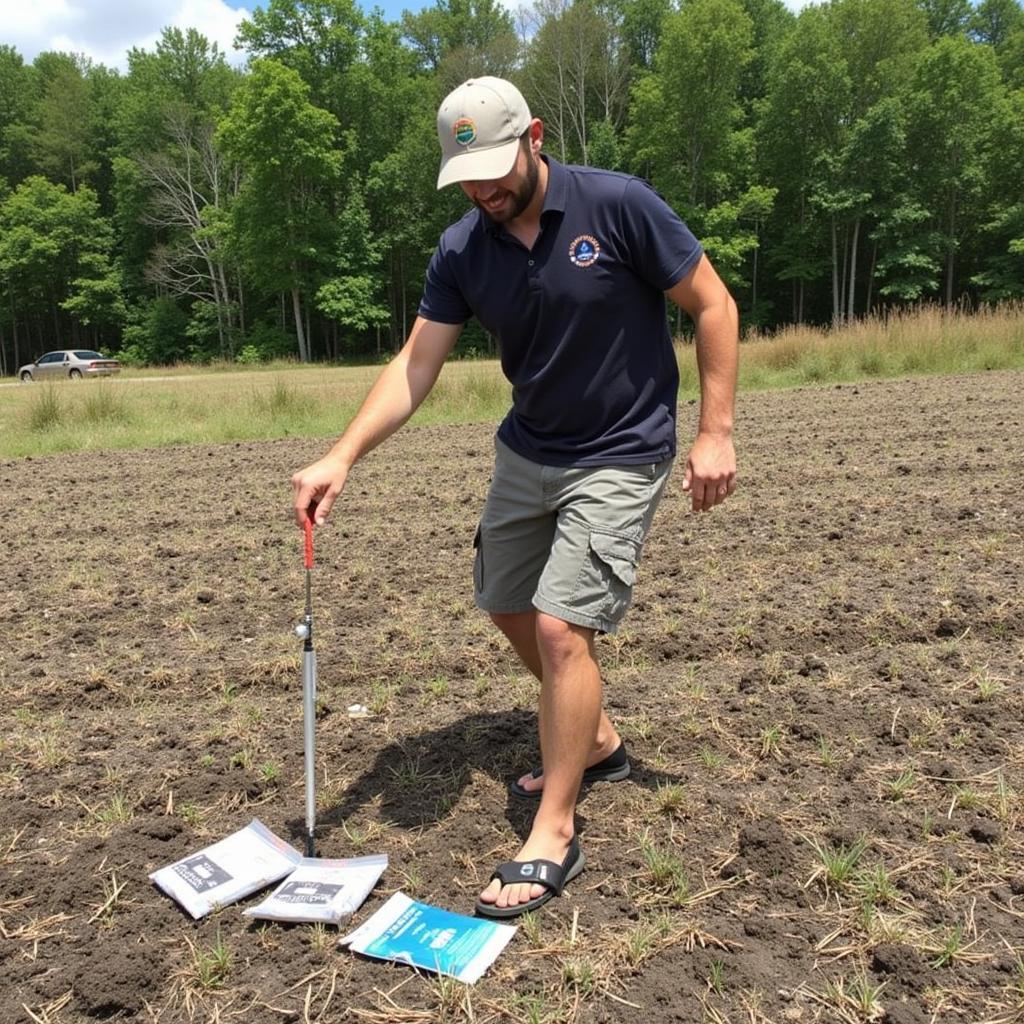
{"x":568,"y":267}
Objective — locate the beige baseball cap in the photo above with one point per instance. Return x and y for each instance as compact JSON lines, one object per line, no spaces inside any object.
{"x":479,"y":125}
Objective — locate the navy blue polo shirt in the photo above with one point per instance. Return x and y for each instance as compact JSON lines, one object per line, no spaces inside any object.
{"x":580,"y":318}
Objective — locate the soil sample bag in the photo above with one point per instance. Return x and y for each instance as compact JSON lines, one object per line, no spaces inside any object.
{"x":432,"y":939}
{"x":226,"y":871}
{"x":322,"y":890}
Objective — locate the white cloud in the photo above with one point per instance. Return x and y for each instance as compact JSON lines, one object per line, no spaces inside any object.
{"x":106,"y":29}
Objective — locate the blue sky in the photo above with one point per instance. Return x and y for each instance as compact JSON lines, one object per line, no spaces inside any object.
{"x":106,"y":29}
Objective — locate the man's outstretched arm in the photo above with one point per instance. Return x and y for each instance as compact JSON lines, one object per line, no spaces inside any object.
{"x":395,"y":396}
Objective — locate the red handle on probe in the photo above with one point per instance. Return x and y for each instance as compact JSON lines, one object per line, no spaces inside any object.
{"x":309,"y":542}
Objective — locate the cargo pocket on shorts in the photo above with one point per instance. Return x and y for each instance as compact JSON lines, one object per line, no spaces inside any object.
{"x":478,"y":562}
{"x":616,"y":558}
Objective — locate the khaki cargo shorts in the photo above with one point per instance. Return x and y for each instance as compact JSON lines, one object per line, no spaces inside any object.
{"x":564,"y":541}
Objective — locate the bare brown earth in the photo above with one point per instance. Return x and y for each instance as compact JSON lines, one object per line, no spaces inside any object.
{"x":834,"y":658}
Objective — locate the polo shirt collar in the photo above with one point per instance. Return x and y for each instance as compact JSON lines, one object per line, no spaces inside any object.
{"x":558,"y":186}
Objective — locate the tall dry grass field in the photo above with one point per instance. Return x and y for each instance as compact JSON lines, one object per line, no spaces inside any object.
{"x":153,"y":409}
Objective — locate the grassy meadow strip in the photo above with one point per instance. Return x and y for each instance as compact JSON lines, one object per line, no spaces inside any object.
{"x":904,"y":344}
{"x":207,"y":406}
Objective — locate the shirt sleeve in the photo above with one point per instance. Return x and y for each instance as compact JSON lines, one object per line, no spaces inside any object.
{"x":443,"y":301}
{"x":663,"y":248}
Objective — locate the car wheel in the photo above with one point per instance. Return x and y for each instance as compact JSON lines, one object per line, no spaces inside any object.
{"x":75,"y":374}
{"x":26,"y":377}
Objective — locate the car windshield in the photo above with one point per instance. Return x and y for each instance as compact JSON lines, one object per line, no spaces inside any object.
{"x":86,"y":354}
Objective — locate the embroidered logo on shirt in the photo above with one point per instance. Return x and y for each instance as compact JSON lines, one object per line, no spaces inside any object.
{"x":584,"y":251}
{"x":464,"y":131}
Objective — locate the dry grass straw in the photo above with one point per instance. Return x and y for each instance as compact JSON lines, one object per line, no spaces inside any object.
{"x":906,"y":342}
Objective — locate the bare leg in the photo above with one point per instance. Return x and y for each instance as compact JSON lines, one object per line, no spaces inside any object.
{"x":570,"y":711}
{"x":521,"y":630}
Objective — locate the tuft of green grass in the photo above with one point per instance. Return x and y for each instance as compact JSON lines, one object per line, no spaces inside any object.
{"x":666,"y":872}
{"x":950,"y":948}
{"x":839,"y":865}
{"x":900,"y":787}
{"x":771,"y":741}
{"x":212,"y":966}
{"x":827,"y":754}
{"x":670,"y":799}
{"x":580,"y":973}
{"x":876,"y":885}
{"x":282,"y":401}
{"x":716,"y":977}
{"x":117,"y":811}
{"x":103,"y":404}
{"x":45,"y":410}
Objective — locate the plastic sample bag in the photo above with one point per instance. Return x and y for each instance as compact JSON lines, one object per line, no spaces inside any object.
{"x":327,"y":891}
{"x":245,"y":861}
{"x":430,"y":938}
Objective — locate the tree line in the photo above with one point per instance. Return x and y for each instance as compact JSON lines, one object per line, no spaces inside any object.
{"x":858,"y":155}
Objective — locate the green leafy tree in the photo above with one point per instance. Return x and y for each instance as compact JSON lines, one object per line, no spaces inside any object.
{"x":460,"y":39}
{"x":947,"y":17}
{"x":55,"y":260}
{"x":1002,"y":273}
{"x":800,"y":124}
{"x":642,"y":25}
{"x":953,"y":100}
{"x":771,"y":21}
{"x":685,"y":113}
{"x":994,"y":21}
{"x":575,"y":73}
{"x":62,"y":144}
{"x":318,"y":39}
{"x":17,"y":103}
{"x":176,"y":92}
{"x":351,"y":298}
{"x":285,"y":147}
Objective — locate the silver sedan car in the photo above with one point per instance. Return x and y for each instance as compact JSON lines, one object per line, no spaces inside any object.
{"x":74,"y":363}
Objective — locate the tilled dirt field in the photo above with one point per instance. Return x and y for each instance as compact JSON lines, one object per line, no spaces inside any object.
{"x":820,"y":683}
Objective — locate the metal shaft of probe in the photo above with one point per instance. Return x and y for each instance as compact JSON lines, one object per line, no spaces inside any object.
{"x":309,"y":705}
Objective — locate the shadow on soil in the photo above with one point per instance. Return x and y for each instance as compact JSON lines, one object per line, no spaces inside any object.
{"x":417,"y":780}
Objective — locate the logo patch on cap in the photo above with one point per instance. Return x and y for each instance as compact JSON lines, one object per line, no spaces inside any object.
{"x":464,"y":131}
{"x":584,"y":251}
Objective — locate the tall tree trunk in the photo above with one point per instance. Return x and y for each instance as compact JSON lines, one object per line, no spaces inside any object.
{"x":800,"y":316}
{"x":401,"y":282}
{"x":299,"y":330}
{"x":853,"y":270}
{"x":753,"y":285}
{"x":14,"y":331}
{"x":241,"y":307}
{"x":951,"y":252}
{"x":842,"y":275}
{"x":225,"y":294}
{"x":3,"y":352}
{"x":871,"y":277}
{"x":835,"y":277}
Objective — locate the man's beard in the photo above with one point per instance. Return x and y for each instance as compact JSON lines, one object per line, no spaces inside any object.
{"x":523,"y":196}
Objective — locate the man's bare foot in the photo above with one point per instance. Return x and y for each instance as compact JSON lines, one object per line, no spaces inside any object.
{"x":531,"y":783}
{"x":547,"y":847}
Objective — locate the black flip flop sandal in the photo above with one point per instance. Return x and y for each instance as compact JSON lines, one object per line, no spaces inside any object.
{"x":540,"y":872}
{"x":613,"y":768}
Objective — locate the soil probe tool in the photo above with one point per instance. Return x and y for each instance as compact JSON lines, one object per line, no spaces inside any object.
{"x":304,"y":631}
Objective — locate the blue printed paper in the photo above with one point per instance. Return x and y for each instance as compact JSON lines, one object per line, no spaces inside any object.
{"x":430,"y":938}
